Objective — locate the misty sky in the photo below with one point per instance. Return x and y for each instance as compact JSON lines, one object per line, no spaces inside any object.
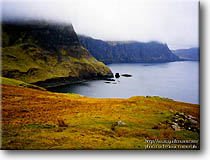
{"x":174,"y":22}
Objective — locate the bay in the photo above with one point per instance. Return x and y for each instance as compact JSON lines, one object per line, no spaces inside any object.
{"x":175,"y":80}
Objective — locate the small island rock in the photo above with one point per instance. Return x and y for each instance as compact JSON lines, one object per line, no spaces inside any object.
{"x":117,"y":75}
{"x":126,"y":75}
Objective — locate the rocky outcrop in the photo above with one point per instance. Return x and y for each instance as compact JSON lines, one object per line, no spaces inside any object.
{"x":127,"y":52}
{"x":47,"y":54}
{"x":181,"y":121}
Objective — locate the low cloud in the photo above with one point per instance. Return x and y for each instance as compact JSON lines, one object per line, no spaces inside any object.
{"x":174,"y":22}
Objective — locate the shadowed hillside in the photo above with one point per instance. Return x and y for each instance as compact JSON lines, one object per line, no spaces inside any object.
{"x":192,"y":54}
{"x":127,"y":52}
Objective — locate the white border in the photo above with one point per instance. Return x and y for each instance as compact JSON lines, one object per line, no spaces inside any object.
{"x":204,"y":153}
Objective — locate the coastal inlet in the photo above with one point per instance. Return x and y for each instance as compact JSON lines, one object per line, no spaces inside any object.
{"x":174,"y":80}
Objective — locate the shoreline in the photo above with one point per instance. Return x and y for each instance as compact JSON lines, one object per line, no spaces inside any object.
{"x":62,"y":81}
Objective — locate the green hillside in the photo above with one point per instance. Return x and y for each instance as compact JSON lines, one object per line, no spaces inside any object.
{"x":47,"y":54}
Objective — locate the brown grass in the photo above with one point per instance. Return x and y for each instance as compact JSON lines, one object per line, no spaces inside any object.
{"x":35,"y":119}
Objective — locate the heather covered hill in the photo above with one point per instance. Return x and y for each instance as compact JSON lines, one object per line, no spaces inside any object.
{"x":35,"y":119}
{"x":47,"y":54}
{"x":127,"y":51}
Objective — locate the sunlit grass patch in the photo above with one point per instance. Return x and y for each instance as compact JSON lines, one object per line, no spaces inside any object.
{"x":14,"y":82}
{"x":74,"y":95}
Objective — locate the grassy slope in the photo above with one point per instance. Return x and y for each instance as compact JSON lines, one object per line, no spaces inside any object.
{"x":33,"y":64}
{"x":14,"y":82}
{"x":32,"y":119}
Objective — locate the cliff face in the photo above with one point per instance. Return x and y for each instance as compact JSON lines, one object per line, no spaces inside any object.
{"x":127,"y":52}
{"x":47,"y":54}
{"x":188,"y":54}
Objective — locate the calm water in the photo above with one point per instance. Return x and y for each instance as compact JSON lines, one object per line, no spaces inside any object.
{"x":176,"y":80}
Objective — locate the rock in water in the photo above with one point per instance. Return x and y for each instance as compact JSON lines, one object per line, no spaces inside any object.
{"x":117,"y":75}
{"x":107,"y":82}
{"x":109,"y":79}
{"x":126,"y":75}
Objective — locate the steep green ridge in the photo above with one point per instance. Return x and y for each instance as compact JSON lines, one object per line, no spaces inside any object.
{"x":127,"y":52}
{"x":192,"y":54}
{"x":46,"y":54}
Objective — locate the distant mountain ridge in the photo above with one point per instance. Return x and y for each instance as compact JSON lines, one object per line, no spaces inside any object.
{"x":46,"y":54}
{"x":128,"y":51}
{"x":188,"y":54}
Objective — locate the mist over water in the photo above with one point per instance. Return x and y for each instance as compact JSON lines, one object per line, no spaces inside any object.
{"x":175,"y":80}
